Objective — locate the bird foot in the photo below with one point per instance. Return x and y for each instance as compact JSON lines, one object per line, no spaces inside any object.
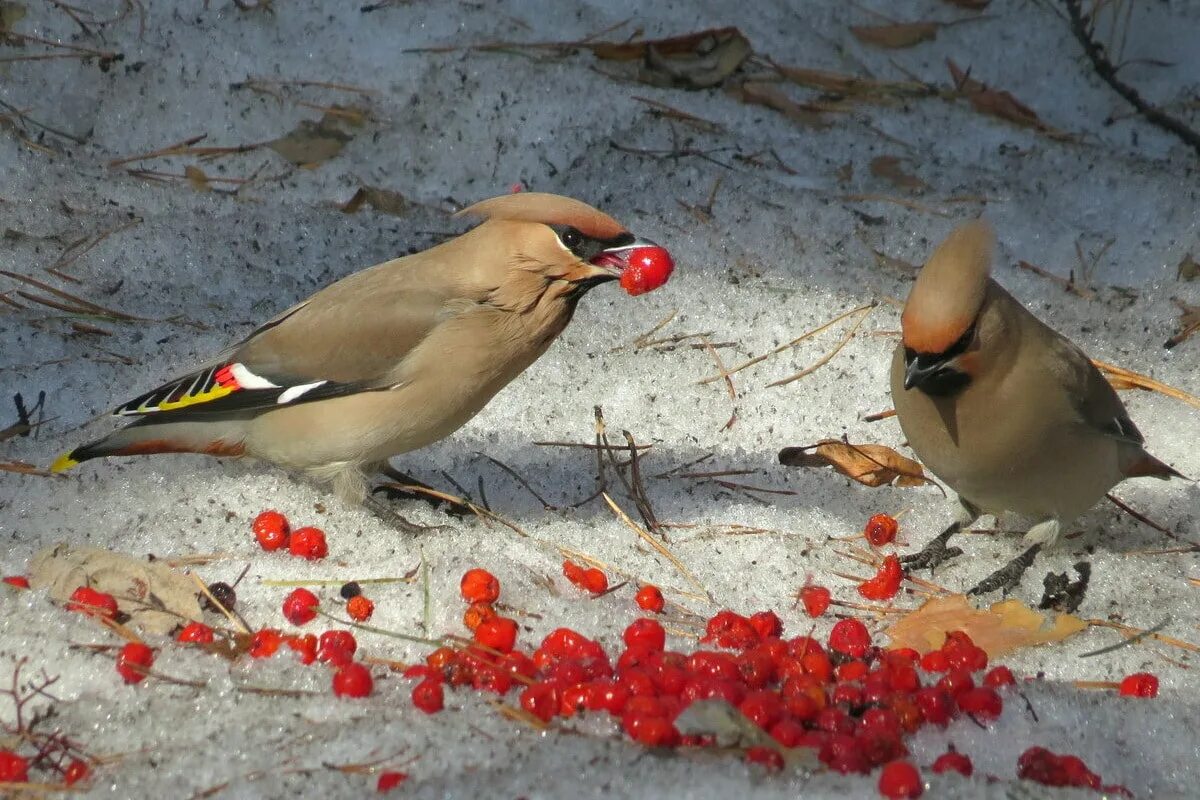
{"x":1007,"y":577}
{"x":935,"y":553}
{"x":384,"y":510}
{"x":396,"y":490}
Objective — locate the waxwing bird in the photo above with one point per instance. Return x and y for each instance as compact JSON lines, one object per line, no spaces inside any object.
{"x":1003,"y":409}
{"x":389,"y":359}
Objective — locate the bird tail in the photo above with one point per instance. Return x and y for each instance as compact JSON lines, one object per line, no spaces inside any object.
{"x":146,"y":437}
{"x":1147,"y":466}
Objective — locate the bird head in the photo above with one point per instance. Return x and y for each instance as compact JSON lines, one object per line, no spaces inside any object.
{"x":941,"y":320}
{"x":562,"y":240}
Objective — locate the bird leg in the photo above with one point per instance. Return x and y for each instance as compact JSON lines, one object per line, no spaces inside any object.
{"x":935,"y":553}
{"x":1007,"y":577}
{"x":396,"y":493}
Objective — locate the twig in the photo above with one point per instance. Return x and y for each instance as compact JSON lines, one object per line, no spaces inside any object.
{"x":1119,"y":503}
{"x":662,"y":550}
{"x":716,"y":357}
{"x":1126,"y":642}
{"x":1108,"y":73}
{"x":1145,"y":382}
{"x":828,"y":356}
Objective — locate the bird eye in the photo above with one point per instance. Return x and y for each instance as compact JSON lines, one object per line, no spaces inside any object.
{"x":572,"y":238}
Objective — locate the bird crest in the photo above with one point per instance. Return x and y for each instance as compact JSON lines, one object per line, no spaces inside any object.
{"x":549,"y":209}
{"x":949,"y":292}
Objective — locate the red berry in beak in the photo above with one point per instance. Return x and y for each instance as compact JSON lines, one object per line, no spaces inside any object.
{"x":648,"y":269}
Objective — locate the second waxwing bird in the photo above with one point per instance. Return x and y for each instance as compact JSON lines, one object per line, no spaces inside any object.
{"x":388,"y":359}
{"x":1003,"y":409}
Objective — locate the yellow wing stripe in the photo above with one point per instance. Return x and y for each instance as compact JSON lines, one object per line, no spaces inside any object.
{"x":216,"y":392}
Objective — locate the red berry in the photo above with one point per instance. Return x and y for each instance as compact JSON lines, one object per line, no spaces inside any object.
{"x":195,"y":633}
{"x":769,"y":757}
{"x":850,"y":637}
{"x":936,"y":705}
{"x":981,"y":702}
{"x":479,"y":586}
{"x":595,"y":581}
{"x":881,"y":529}
{"x":352,"y":680}
{"x":13,"y":768}
{"x":308,"y":543}
{"x":336,"y":648}
{"x":935,"y":661}
{"x":20,"y":581}
{"x":653,"y":731}
{"x":498,"y":633}
{"x":360,"y":608}
{"x":816,"y":599}
{"x":999,"y":676}
{"x":305,"y":646}
{"x":134,"y":660}
{"x":767,"y":624}
{"x":1139,"y":684}
{"x":541,"y":700}
{"x":732,"y":630}
{"x":885,"y":583}
{"x":900,"y":780}
{"x":428,"y":696}
{"x":76,"y":771}
{"x":647,"y":633}
{"x":953,"y":761}
{"x":390,"y":780}
{"x":649,"y":598}
{"x":265,"y":642}
{"x":300,"y":607}
{"x":476,"y":614}
{"x":647,"y":269}
{"x":271,"y":530}
{"x":93,"y":603}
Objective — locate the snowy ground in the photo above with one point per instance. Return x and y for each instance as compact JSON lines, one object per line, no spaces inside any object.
{"x":782,"y":251}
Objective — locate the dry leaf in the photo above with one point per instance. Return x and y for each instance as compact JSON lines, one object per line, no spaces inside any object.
{"x":999,"y":103}
{"x":384,"y":200}
{"x":1006,"y":626}
{"x":850,"y":85}
{"x":889,"y":167}
{"x":770,"y":95}
{"x":729,"y":727}
{"x":10,"y":15}
{"x":1189,"y":269}
{"x":869,"y":464}
{"x":896,"y":35}
{"x":1189,"y":323}
{"x":699,"y":60}
{"x":311,"y":143}
{"x":197,"y":178}
{"x":155,"y":597}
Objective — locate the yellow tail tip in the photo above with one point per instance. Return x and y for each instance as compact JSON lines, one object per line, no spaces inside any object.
{"x":63,"y":463}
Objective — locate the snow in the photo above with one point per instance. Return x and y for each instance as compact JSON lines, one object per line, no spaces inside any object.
{"x":782,"y":252}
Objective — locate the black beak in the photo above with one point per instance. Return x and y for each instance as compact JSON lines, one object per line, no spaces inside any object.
{"x":920,"y":369}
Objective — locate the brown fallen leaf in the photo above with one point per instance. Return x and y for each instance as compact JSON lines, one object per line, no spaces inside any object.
{"x":888,"y":167}
{"x":896,"y":35}
{"x":849,"y":85}
{"x":1189,"y":268}
{"x":197,"y":178}
{"x":1002,"y":628}
{"x":999,"y":103}
{"x":872,"y":465}
{"x":770,"y":95}
{"x":382,"y":200}
{"x":311,"y":143}
{"x":698,"y":60}
{"x":155,"y":597}
{"x":1189,"y":323}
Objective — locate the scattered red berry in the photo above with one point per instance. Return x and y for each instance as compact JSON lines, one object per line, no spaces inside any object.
{"x":1040,"y":765}
{"x":477,"y":614}
{"x":428,"y":696}
{"x":271,"y":530}
{"x":308,"y":543}
{"x":134,"y":660}
{"x":93,"y":603}
{"x":850,"y":637}
{"x":300,"y":607}
{"x":360,"y":608}
{"x":498,"y":633}
{"x":953,"y":761}
{"x":195,"y":633}
{"x":647,"y":269}
{"x":336,"y":648}
{"x":981,"y":702}
{"x":649,"y":598}
{"x":265,"y":642}
{"x":886,"y":582}
{"x":76,"y":771}
{"x":13,"y":768}
{"x":305,"y":646}
{"x":999,"y":676}
{"x":1139,"y":684}
{"x":390,"y":780}
{"x":352,"y":680}
{"x":479,"y":586}
{"x":881,"y":529}
{"x":20,"y":581}
{"x":816,"y":600}
{"x":900,"y":780}
{"x":590,"y":580}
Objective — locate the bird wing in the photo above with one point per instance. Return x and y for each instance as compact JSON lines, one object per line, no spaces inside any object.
{"x":1093,"y":396}
{"x":350,"y":337}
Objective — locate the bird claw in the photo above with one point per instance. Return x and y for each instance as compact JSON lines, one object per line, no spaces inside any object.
{"x":933,"y":554}
{"x":394,"y":492}
{"x":1007,"y":577}
{"x":385,"y":512}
